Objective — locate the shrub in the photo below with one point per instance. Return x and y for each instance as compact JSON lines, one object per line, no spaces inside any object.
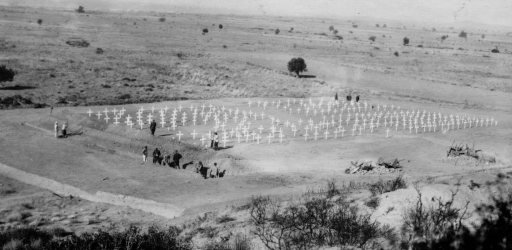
{"x":495,"y":51}
{"x":338,"y":37}
{"x":373,"y":202}
{"x":99,"y":51}
{"x":277,"y":31}
{"x":434,"y":29}
{"x":463,"y":34}
{"x":124,"y":96}
{"x":444,"y":38}
{"x":297,"y":65}
{"x":377,"y":25}
{"x":6,"y":74}
{"x":331,"y":28}
{"x":161,"y":19}
{"x":224,"y":46}
{"x":354,"y":25}
{"x":406,"y":41}
{"x":80,"y":9}
{"x":381,"y":186}
{"x":372,"y":38}
{"x":225,"y":218}
{"x":39,"y":21}
{"x":396,"y":53}
{"x":483,"y":36}
{"x":205,"y":30}
{"x":384,"y":26}
{"x":220,"y":26}
{"x":314,"y":222}
{"x":335,"y":32}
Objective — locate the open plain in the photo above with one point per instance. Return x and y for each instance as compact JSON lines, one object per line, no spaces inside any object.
{"x":167,"y":62}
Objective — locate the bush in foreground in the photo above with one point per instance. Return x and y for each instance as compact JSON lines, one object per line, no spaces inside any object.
{"x":6,"y":74}
{"x":381,"y":186}
{"x":132,"y":238}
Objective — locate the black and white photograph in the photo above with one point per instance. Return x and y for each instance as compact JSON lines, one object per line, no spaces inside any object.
{"x":255,"y":124}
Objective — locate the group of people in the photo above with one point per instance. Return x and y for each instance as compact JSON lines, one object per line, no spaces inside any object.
{"x":349,"y":97}
{"x":172,"y":161}
{"x":64,"y":130}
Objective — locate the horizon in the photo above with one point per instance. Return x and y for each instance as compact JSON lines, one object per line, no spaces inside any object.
{"x":492,"y":12}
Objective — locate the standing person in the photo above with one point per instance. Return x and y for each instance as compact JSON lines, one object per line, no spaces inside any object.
{"x":212,"y":139}
{"x":56,"y":129}
{"x":357,"y":98}
{"x":64,"y":129}
{"x":152,"y":127}
{"x":216,"y":138}
{"x":176,"y":159}
{"x":145,"y":154}
{"x":349,"y":98}
{"x":156,"y":156}
{"x":336,"y":97}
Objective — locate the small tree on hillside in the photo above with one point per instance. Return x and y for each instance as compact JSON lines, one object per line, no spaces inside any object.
{"x":297,"y":65}
{"x":39,"y":21}
{"x":80,"y":9}
{"x":6,"y":74}
{"x":277,"y":31}
{"x":406,"y":41}
{"x":463,"y":35}
{"x":331,"y":28}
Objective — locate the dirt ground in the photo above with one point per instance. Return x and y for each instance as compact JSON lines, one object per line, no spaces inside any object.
{"x":178,"y":63}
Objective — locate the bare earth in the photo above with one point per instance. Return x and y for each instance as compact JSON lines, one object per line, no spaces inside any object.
{"x":177,"y":62}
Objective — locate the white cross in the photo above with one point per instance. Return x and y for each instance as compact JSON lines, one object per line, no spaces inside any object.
{"x":193,"y":134}
{"x":99,"y":115}
{"x":281,"y":135}
{"x":179,"y":135}
{"x":89,"y":112}
{"x":269,"y":137}
{"x":387,"y":133}
{"x":202,"y":139}
{"x":326,"y":133}
{"x":258,"y":137}
{"x":106,"y":118}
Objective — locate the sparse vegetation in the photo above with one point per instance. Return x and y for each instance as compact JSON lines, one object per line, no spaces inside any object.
{"x":463,"y":34}
{"x":132,"y":238}
{"x":372,"y":38}
{"x":220,"y":26}
{"x":377,"y":25}
{"x":6,"y":74}
{"x":381,"y":186}
{"x":443,"y":37}
{"x":80,"y":9}
{"x":99,"y":51}
{"x":39,"y":21}
{"x":335,"y":32}
{"x":205,"y":30}
{"x":331,"y":28}
{"x":277,"y":31}
{"x":297,"y":65}
{"x":373,"y":202}
{"x":396,"y":53}
{"x":406,"y":41}
{"x":354,"y":25}
{"x":161,"y":19}
{"x":314,"y":221}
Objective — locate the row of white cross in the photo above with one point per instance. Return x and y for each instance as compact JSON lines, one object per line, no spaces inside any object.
{"x":412,"y":119}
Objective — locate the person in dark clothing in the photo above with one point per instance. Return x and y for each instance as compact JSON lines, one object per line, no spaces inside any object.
{"x":357,"y":98}
{"x":336,"y":97}
{"x":176,"y":159}
{"x":157,"y":156}
{"x":152,"y":127}
{"x":213,"y":139}
{"x":216,"y":143}
{"x":349,"y":98}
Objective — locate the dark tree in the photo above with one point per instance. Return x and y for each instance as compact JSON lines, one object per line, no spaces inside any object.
{"x":6,"y":74}
{"x":220,"y":26}
{"x":297,"y":65}
{"x":406,"y":41}
{"x":205,"y":30}
{"x":463,"y":34}
{"x":372,"y":38}
{"x":39,"y":21}
{"x":277,"y":31}
{"x":80,"y":9}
